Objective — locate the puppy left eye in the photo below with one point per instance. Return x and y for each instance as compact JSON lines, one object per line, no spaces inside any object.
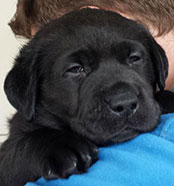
{"x":76,"y":69}
{"x":135,"y":57}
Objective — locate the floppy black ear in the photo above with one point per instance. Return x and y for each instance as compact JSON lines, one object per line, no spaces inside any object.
{"x":160,"y":63}
{"x":21,"y":84}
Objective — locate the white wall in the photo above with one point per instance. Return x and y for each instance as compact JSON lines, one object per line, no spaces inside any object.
{"x":9,"y":47}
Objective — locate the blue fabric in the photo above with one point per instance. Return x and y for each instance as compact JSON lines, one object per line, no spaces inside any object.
{"x":147,"y":160}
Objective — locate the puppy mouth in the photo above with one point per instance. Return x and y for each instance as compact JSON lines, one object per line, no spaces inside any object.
{"x":119,"y":136}
{"x":127,"y":133}
{"x":124,"y":135}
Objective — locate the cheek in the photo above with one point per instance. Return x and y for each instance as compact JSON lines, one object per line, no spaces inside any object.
{"x":61,"y":98}
{"x":71,"y":101}
{"x":146,"y":74}
{"x":67,"y":99}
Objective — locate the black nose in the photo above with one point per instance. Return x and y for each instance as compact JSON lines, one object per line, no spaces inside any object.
{"x":124,"y":103}
{"x":124,"y":107}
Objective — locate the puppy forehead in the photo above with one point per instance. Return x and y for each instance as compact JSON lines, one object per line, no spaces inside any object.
{"x":91,"y":27}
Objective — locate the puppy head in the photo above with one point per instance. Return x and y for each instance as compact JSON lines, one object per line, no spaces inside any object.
{"x":94,"y":71}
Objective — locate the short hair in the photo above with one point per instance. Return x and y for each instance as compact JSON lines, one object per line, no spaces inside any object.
{"x":35,"y":13}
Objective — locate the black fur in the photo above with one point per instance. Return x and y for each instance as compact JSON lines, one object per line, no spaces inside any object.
{"x":85,"y":80}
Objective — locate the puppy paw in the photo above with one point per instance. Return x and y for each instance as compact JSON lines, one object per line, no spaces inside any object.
{"x":72,"y":156}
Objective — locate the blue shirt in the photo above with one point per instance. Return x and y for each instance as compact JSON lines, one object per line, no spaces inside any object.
{"x":147,"y":160}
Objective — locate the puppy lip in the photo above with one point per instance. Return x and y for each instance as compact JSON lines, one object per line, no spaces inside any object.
{"x":144,"y":130}
{"x":122,"y":136}
{"x":127,"y":134}
{"x":120,"y":131}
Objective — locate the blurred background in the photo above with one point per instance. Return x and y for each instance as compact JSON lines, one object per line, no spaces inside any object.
{"x":9,"y":47}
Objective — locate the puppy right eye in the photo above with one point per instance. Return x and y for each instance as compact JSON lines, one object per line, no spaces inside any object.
{"x":135,"y":57}
{"x":76,"y":69}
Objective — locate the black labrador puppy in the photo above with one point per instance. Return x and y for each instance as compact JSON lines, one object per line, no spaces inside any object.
{"x":85,"y":80}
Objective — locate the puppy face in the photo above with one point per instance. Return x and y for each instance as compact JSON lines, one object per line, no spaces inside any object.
{"x":93,"y":71}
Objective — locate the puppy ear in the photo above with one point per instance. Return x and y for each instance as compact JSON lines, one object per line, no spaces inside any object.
{"x":160,"y":63}
{"x":21,"y":84}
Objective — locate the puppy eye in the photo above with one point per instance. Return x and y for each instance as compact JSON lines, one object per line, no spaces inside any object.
{"x":76,"y":69}
{"x":135,"y":57}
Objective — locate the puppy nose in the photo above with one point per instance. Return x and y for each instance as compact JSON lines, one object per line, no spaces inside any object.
{"x":124,"y":106}
{"x":123,"y":103}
